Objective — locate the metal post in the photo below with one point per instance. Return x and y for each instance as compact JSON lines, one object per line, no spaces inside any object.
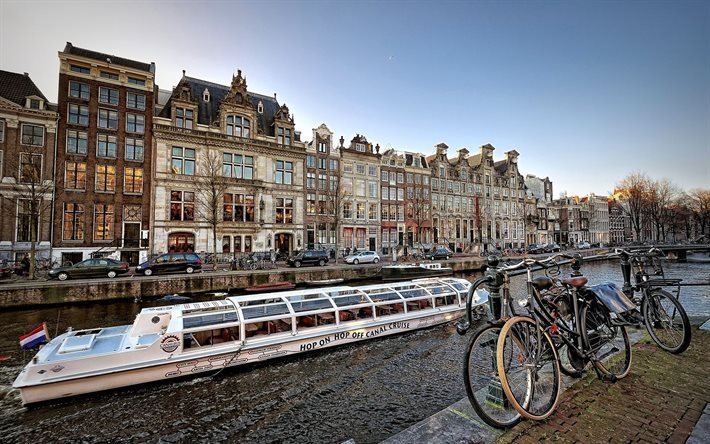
{"x":495,"y":282}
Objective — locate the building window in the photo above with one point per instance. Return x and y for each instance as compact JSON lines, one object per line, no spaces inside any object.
{"x":238,"y":207}
{"x":30,"y":168}
{"x":322,"y":147}
{"x":360,"y":210}
{"x":108,"y":96}
{"x":333,"y":164}
{"x":372,"y":170}
{"x":360,"y":168}
{"x":78,"y":114}
{"x":322,"y":205}
{"x":238,"y":126}
{"x":183,"y":161}
{"x":78,"y":90}
{"x":73,"y":224}
{"x":347,"y":167}
{"x":385,"y":176}
{"x":284,"y":210}
{"x":77,"y":142}
{"x":183,"y":118}
{"x":322,"y":182}
{"x":103,"y":222}
{"x":260,"y":108}
{"x":310,"y":180}
{"x":80,"y":69}
{"x":106,"y":178}
{"x":360,"y":147}
{"x":108,"y":119}
{"x":133,"y":180}
{"x":310,"y":203}
{"x":26,"y":222}
{"x":182,"y":205}
{"x":284,"y":172}
{"x":75,"y":175}
{"x":238,"y":166}
{"x":135,"y":81}
{"x":135,"y":123}
{"x":284,"y":136}
{"x":109,"y":75}
{"x":372,"y":212}
{"x":135,"y":101}
{"x":182,"y":242}
{"x":322,"y":163}
{"x":106,"y":146}
{"x":372,"y":189}
{"x":347,"y":210}
{"x":134,"y":149}
{"x":311,"y":161}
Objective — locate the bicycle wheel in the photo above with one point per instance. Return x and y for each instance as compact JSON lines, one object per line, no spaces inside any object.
{"x":608,"y":343}
{"x":482,"y":382}
{"x":531,"y":375}
{"x":666,"y":321}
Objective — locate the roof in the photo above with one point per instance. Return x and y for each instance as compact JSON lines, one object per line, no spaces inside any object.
{"x":207,"y":112}
{"x":114,"y":60}
{"x":16,"y":87}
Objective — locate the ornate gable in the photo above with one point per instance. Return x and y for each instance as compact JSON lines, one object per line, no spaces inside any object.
{"x":238,"y":94}
{"x":183,"y":93}
{"x":283,"y":115}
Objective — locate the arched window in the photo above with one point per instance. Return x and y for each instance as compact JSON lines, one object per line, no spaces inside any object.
{"x":238,"y":126}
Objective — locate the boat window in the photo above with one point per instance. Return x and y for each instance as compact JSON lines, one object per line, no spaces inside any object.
{"x":382,"y":295}
{"x":414,"y":293}
{"x":265,"y":310}
{"x":389,"y":309}
{"x":346,"y":301}
{"x":210,"y":319}
{"x":315,"y":320}
{"x":261,"y":328}
{"x":210,"y":337}
{"x":316,"y":304}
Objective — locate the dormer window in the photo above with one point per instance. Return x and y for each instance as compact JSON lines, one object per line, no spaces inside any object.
{"x":260,"y":108}
{"x":238,"y":126}
{"x":34,"y":103}
{"x":184,"y":118}
{"x":206,"y":95}
{"x":360,"y":147}
{"x":284,"y":136}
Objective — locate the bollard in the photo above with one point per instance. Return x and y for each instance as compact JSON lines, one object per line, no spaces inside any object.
{"x":495,"y":282}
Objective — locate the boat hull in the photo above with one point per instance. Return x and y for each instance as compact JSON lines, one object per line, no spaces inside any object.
{"x":408,"y":273}
{"x":232,"y":355}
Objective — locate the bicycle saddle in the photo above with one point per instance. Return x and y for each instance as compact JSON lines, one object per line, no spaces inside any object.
{"x":542,"y":283}
{"x":576,"y":282}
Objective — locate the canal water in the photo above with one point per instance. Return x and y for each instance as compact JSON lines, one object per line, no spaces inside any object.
{"x":367,"y":391}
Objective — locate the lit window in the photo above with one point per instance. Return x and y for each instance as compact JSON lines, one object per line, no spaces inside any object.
{"x":73,"y":223}
{"x":103,"y":222}
{"x":75,"y":176}
{"x":106,"y":178}
{"x":182,"y":205}
{"x":238,"y":207}
{"x":133,"y":180}
{"x":284,"y":210}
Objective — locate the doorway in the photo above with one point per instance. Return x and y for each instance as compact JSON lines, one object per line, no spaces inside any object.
{"x":282,"y":243}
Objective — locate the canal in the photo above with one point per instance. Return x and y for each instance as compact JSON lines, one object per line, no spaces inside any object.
{"x":367,"y":391}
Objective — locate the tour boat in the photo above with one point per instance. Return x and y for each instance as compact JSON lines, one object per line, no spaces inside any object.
{"x":413,"y":271}
{"x":204,"y":337}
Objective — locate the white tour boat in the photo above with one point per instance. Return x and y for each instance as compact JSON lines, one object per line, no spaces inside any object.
{"x":414,"y":271}
{"x":188,"y":339}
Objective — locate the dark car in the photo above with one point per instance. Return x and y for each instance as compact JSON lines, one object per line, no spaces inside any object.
{"x":439,"y":253}
{"x":309,"y":257}
{"x":170,"y":263}
{"x":552,"y":248}
{"x":536,"y":248}
{"x":89,"y":268}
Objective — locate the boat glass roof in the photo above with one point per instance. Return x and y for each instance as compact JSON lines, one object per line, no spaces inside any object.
{"x":265,"y":310}
{"x":193,"y":320}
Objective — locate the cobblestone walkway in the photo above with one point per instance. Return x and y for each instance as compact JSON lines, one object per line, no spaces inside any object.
{"x":660,"y":401}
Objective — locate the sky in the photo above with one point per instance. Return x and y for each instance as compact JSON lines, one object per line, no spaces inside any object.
{"x":587,"y":92}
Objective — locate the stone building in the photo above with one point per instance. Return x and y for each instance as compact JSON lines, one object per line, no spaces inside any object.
{"x":598,"y":219}
{"x":417,"y":201}
{"x":538,"y":221}
{"x":28,"y":124}
{"x":360,"y":172}
{"x":229,"y":165}
{"x":323,"y":214}
{"x":392,"y":192}
{"x":104,"y":156}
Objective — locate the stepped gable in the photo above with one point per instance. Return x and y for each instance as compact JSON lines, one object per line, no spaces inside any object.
{"x":208,"y":111}
{"x":114,"y":60}
{"x":17,"y":87}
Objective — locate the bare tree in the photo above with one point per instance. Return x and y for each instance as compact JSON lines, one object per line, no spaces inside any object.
{"x":419,"y":212}
{"x":29,"y":201}
{"x":699,"y":203}
{"x":633,"y":190}
{"x":210,"y":187}
{"x":337,"y":194}
{"x":660,"y":197}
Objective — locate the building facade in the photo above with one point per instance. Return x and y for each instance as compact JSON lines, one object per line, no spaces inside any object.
{"x":229,"y":166}
{"x":417,"y":201}
{"x":28,"y":124}
{"x":104,"y":156}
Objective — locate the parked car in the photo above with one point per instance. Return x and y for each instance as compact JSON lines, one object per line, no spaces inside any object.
{"x":552,"y":248}
{"x":89,"y":268}
{"x":363,"y":257}
{"x":171,"y":262}
{"x":309,"y":257}
{"x":584,"y":245}
{"x":536,"y":248}
{"x":439,"y":253}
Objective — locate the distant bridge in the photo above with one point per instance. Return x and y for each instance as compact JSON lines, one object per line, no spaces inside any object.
{"x":681,"y":251}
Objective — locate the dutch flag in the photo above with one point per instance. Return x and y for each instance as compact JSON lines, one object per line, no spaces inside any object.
{"x":34,"y":338}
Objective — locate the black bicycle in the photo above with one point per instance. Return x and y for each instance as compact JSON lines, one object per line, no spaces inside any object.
{"x":663,"y":315}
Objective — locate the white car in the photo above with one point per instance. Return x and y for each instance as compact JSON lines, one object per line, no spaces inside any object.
{"x":583,"y":245}
{"x":363,"y":257}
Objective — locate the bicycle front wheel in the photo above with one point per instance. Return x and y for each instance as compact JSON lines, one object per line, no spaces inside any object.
{"x":666,"y":321}
{"x":530,"y":375}
{"x":608,"y":343}
{"x":482,"y":382}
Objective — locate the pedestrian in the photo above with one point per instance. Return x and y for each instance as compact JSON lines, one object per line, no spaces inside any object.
{"x":273,"y":257}
{"x":25,"y":266}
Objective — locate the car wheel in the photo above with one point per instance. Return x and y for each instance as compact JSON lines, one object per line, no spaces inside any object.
{"x":356,"y":262}
{"x":297,"y":264}
{"x":147,"y":272}
{"x":62,"y":276}
{"x":112,"y":274}
{"x":189,"y":270}
{"x":321,"y":262}
{"x":377,"y":259}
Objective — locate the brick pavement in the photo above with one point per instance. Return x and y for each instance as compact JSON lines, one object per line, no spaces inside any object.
{"x":659,"y":401}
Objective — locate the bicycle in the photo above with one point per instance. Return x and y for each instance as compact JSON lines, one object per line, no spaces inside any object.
{"x":588,"y":325}
{"x":663,"y":315}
